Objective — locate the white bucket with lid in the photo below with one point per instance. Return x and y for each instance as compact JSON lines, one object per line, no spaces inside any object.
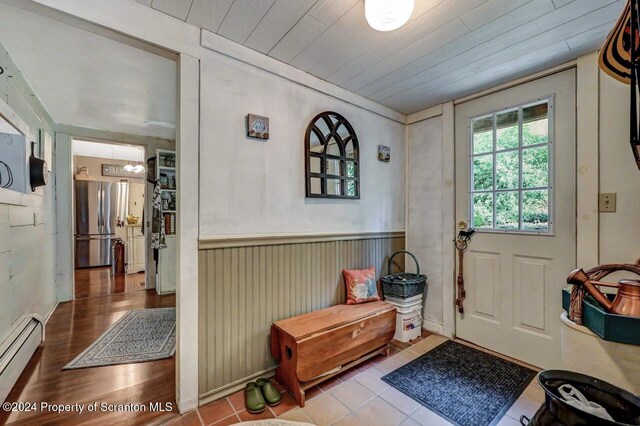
{"x":408,"y":317}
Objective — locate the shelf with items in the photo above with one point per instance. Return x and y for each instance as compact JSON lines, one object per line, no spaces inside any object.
{"x":169,"y":223}
{"x":166,"y":159}
{"x":166,"y":175}
{"x":167,"y":179}
{"x":168,"y":201}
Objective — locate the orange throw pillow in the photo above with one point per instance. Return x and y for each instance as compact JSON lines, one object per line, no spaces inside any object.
{"x":361,"y":285}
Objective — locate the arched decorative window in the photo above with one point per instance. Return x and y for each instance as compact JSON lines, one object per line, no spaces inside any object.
{"x":332,"y":158}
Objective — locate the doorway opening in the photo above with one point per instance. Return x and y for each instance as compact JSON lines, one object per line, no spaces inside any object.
{"x":109,"y":193}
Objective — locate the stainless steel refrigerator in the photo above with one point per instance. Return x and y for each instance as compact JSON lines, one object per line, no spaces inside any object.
{"x":99,"y":206}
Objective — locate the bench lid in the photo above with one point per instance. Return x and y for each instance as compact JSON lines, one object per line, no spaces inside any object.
{"x":315,"y":322}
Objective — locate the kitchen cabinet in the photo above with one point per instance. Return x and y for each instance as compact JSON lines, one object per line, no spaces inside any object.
{"x":135,"y":247}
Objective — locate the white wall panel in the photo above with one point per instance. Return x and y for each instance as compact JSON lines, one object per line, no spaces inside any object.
{"x":27,"y":245}
{"x":264,"y":190}
{"x":424,"y":209}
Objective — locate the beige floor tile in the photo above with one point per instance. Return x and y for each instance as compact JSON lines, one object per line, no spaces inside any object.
{"x":390,"y":364}
{"x":397,"y":361}
{"x":528,"y":403}
{"x":409,"y":422}
{"x":379,"y":412}
{"x":371,"y":380}
{"x":325,"y":409}
{"x":352,"y":394}
{"x":427,"y":417}
{"x":295,"y":415}
{"x":350,"y":420}
{"x":428,"y":343}
{"x":535,"y":388}
{"x":400,"y":401}
{"x":508,"y":421}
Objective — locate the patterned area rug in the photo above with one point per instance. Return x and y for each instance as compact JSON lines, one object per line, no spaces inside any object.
{"x":141,"y":335}
{"x":466,"y":386}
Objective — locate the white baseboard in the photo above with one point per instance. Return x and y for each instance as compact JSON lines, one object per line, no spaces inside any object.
{"x":46,"y":319}
{"x":433,"y":327}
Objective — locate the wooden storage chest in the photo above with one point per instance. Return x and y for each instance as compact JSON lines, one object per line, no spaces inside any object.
{"x":314,"y":347}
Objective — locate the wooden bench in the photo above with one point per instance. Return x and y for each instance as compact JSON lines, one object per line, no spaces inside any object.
{"x":314,"y":347}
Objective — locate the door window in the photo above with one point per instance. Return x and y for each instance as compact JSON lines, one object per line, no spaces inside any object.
{"x":511,"y":185}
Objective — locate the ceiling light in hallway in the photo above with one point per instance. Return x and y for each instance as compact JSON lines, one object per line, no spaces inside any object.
{"x":387,"y":15}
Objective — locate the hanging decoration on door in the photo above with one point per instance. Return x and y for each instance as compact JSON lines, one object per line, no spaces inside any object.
{"x":620,"y":58}
{"x":462,"y":244}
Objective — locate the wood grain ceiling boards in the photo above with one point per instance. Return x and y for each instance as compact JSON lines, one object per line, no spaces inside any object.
{"x":448,"y":49}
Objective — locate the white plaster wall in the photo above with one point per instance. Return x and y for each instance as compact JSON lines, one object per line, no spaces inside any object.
{"x":619,"y":231}
{"x":253,"y":187}
{"x":27,"y":231}
{"x":424,"y":210}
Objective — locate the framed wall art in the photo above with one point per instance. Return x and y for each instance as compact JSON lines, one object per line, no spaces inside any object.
{"x":384,"y":153}
{"x":257,"y":126}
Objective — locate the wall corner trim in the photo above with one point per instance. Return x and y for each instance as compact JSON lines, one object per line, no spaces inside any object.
{"x":230,"y":241}
{"x":587,"y":160}
{"x":425,"y":114}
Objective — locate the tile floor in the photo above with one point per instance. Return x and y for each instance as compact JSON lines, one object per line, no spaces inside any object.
{"x":356,"y":397}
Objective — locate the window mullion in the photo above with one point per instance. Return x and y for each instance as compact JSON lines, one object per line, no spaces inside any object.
{"x":520,"y":164}
{"x":495,"y":166}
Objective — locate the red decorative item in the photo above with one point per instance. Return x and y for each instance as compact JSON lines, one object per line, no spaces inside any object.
{"x":361,"y":285}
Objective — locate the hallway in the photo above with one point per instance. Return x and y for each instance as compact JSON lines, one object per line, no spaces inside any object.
{"x":94,"y":282}
{"x":72,"y":327}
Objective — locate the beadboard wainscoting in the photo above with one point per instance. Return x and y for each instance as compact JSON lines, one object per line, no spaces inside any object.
{"x":247,"y":283}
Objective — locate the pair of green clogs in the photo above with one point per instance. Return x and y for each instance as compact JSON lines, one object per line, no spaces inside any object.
{"x":260,"y":393}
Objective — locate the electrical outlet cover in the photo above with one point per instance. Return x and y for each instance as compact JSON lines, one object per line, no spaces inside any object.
{"x":607,"y":202}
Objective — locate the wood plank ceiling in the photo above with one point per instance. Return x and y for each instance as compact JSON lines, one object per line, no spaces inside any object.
{"x":448,"y":49}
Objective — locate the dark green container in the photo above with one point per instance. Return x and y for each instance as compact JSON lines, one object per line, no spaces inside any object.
{"x":611,"y":327}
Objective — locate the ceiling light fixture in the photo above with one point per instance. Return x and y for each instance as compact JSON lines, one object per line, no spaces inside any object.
{"x":138,"y":168}
{"x":387,"y":15}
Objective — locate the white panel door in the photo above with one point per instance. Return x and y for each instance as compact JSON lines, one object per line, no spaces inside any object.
{"x":524,"y":247}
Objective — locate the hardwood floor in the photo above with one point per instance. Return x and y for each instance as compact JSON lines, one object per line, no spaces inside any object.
{"x":93,"y":282}
{"x":72,"y":327}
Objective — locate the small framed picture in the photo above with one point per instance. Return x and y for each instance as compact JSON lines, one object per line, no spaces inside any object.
{"x":257,"y":126}
{"x":384,"y":153}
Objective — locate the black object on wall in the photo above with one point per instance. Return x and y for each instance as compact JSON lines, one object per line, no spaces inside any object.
{"x":37,"y":170}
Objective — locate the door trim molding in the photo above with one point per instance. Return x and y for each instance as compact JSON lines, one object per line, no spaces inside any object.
{"x":519,"y":82}
{"x":448,"y":220}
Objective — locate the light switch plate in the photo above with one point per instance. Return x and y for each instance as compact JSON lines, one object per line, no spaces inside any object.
{"x":607,"y":202}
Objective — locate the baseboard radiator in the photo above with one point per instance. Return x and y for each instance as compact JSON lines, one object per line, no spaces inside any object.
{"x":17,"y":349}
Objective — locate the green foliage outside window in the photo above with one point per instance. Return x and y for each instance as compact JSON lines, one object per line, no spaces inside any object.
{"x":351,"y":185}
{"x":505,"y":191}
